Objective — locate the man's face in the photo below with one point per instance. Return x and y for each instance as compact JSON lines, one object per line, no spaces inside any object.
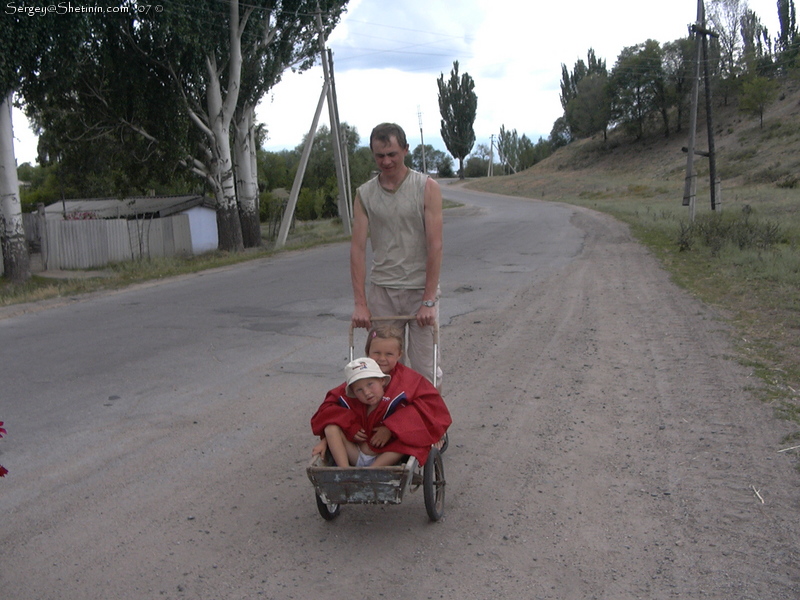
{"x":389,"y":157}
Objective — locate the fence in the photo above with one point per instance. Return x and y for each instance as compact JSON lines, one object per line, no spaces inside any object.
{"x":91,"y":243}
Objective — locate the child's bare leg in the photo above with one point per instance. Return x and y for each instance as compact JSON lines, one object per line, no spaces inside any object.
{"x":341,"y":448}
{"x":386,"y":459}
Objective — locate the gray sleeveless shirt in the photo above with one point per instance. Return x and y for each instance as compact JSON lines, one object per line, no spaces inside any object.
{"x":397,"y":231}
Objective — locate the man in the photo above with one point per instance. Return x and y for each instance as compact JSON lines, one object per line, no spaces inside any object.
{"x":401,"y":211}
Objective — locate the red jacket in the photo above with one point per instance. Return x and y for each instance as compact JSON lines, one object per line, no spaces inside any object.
{"x":411,"y":408}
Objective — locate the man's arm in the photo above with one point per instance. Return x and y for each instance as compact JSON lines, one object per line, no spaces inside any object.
{"x":358,"y":264}
{"x":433,"y":239}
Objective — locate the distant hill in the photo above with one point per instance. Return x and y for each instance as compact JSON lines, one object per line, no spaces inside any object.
{"x":746,"y":154}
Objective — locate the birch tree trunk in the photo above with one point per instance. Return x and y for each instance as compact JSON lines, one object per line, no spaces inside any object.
{"x":228,"y":225}
{"x":220,"y":116}
{"x":247,"y":176}
{"x":16,"y":261}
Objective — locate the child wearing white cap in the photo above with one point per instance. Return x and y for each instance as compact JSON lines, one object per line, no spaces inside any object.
{"x":355,"y":433}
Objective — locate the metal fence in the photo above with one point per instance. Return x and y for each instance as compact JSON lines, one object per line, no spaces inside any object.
{"x":96,"y":243}
{"x":92,"y":243}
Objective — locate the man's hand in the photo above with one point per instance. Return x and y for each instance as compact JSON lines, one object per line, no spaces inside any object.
{"x":426,"y":315}
{"x":362,"y":317}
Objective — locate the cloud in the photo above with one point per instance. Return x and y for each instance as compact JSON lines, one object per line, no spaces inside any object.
{"x":413,"y":36}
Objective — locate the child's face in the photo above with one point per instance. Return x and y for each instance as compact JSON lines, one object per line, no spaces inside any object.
{"x":369,"y":390}
{"x":386,"y":352}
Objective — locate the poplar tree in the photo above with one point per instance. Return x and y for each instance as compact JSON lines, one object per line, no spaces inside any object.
{"x":458,"y":106}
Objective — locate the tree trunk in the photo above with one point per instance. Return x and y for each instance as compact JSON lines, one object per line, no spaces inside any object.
{"x":229,"y":227}
{"x":220,"y":116}
{"x":16,"y":261}
{"x":247,"y":177}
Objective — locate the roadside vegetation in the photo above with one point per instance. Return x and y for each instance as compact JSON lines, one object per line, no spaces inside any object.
{"x":120,"y":275}
{"x":743,"y":258}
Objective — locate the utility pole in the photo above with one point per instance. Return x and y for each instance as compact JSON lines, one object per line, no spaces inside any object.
{"x":342,"y":168}
{"x":288,"y":213}
{"x":422,"y":141}
{"x":342,"y":161}
{"x":712,"y":154}
{"x":701,"y":56}
{"x":336,"y":138}
{"x":690,"y":182}
{"x":491,"y":156}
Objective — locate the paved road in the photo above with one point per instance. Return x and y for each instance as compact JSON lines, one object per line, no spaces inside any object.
{"x":604,"y":445}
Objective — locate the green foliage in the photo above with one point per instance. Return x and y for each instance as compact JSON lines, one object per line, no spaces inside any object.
{"x":458,"y":105}
{"x":571,"y":80}
{"x":433,"y":159}
{"x":560,"y":134}
{"x":477,"y":166}
{"x":638,"y":87}
{"x":590,"y":110}
{"x":277,"y":169}
{"x":757,"y":93}
{"x":446,"y":167}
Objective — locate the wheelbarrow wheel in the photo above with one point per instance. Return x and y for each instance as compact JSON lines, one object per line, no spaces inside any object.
{"x":433,"y":485}
{"x":328,"y":511}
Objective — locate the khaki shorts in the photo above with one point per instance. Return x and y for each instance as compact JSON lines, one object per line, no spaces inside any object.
{"x":385,"y":302}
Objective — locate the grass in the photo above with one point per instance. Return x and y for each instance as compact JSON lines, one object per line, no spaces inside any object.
{"x":120,"y":275}
{"x":743,"y":259}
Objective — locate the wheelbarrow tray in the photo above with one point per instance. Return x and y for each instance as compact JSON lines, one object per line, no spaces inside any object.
{"x":360,"y":485}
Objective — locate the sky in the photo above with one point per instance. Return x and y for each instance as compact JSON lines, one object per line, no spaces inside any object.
{"x":388,"y":56}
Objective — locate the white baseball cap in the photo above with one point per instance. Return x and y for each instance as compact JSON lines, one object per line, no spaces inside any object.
{"x":361,"y":368}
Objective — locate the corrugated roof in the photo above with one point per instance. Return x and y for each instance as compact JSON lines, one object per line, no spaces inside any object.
{"x":137,"y":206}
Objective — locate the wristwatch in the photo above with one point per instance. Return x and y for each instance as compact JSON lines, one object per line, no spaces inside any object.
{"x":429,"y":303}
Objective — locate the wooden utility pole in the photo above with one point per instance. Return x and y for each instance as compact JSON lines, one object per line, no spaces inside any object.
{"x":701,"y":57}
{"x":288,"y":213}
{"x":336,"y":137}
{"x":712,"y":154}
{"x":690,"y":182}
{"x":491,"y":156}
{"x":422,"y":141}
{"x":340,"y":158}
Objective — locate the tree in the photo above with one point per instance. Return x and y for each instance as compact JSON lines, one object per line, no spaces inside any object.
{"x":589,"y":111}
{"x":570,"y":81}
{"x":508,"y":148}
{"x":678,"y":61}
{"x":560,"y":134}
{"x":726,"y":18}
{"x":639,"y":88}
{"x":16,"y":261}
{"x":757,"y":93}
{"x":788,"y":42}
{"x":433,"y":158}
{"x":289,"y":37}
{"x":194,"y":75}
{"x":458,"y":106}
{"x":27,"y":42}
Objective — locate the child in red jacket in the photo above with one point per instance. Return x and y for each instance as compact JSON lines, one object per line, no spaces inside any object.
{"x":411,"y":410}
{"x":354,"y":431}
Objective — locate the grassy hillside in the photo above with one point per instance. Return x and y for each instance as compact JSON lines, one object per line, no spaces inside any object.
{"x":743,"y":258}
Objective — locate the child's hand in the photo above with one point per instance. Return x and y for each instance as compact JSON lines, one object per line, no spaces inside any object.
{"x":320,"y":448}
{"x":361,"y":436}
{"x":381,"y":436}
